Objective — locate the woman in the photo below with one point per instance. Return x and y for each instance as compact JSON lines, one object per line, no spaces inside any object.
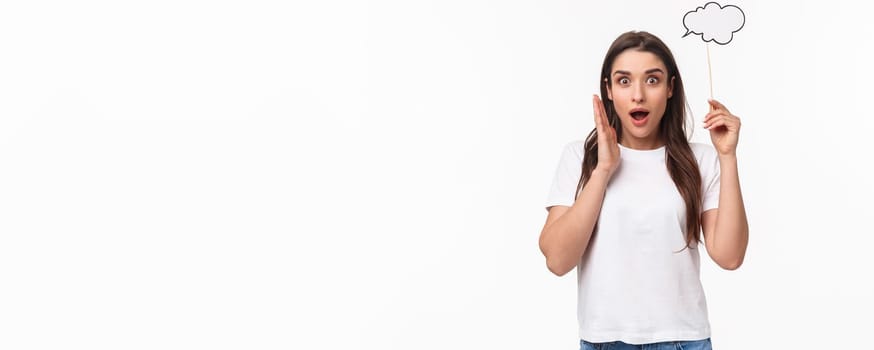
{"x":628,"y":205}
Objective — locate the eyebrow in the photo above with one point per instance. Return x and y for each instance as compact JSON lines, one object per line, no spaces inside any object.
{"x":653,"y":70}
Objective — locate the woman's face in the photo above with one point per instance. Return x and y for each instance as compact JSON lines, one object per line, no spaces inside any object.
{"x":639,"y":88}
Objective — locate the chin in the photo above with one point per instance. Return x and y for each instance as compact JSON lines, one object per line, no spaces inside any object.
{"x":641,"y":136}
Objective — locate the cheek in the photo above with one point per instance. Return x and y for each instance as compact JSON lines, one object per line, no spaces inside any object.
{"x":620,"y":107}
{"x":620,"y":93}
{"x":620,"y":98}
{"x":659,"y":92}
{"x":660,"y":95}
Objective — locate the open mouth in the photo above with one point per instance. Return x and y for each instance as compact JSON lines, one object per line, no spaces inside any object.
{"x":639,"y":115}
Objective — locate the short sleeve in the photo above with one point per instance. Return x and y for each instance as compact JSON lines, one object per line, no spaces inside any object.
{"x":709,"y":166}
{"x":567,"y":176}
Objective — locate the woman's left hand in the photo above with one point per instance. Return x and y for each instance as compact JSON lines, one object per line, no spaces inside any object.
{"x":724,"y":128}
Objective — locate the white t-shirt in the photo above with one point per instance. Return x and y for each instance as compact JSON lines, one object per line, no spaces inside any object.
{"x":634,"y":283}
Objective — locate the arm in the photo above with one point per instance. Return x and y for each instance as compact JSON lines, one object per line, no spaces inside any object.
{"x":726,"y":232}
{"x":565,"y":236}
{"x":566,"y":233}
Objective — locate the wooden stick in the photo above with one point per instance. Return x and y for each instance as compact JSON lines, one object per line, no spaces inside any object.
{"x":709,"y":71}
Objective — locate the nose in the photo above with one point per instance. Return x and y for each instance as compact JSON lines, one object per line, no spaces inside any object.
{"x":637,"y":95}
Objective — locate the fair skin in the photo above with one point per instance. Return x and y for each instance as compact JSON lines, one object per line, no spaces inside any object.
{"x":639,"y":82}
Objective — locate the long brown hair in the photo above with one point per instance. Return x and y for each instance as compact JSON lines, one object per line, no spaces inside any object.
{"x":679,"y":158}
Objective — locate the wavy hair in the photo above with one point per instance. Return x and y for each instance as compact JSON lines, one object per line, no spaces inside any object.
{"x":679,"y":159}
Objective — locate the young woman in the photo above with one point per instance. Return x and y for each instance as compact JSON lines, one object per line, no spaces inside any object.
{"x":628,"y":204}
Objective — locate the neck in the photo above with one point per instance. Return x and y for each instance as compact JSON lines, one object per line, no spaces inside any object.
{"x":640,"y":144}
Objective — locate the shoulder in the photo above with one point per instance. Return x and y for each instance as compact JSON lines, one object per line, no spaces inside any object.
{"x":708,"y":159}
{"x":703,"y":152}
{"x":574,"y":150}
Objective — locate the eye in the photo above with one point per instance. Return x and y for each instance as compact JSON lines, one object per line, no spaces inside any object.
{"x":624,"y":80}
{"x":652,"y":80}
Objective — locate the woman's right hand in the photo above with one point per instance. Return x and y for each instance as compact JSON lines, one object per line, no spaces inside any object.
{"x":608,"y":149}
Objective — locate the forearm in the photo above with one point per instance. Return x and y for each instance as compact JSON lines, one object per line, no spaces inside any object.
{"x":732,"y":231}
{"x":564,"y":241}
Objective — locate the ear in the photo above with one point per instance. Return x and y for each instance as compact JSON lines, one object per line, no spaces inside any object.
{"x":609,"y":90}
{"x":671,"y":87}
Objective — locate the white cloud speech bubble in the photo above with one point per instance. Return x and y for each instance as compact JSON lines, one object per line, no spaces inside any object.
{"x":714,"y":22}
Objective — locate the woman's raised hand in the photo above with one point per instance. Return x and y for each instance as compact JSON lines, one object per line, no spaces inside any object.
{"x":724,"y":128}
{"x":608,"y":149}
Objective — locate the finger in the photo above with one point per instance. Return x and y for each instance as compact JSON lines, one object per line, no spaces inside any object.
{"x":713,"y":114}
{"x":605,"y":121}
{"x":718,"y":113}
{"x":599,"y":106}
{"x":597,"y":112}
{"x":729,"y":123}
{"x":607,"y":124}
{"x":606,"y":128}
{"x":717,"y":105}
{"x":716,"y":124}
{"x":713,"y":120}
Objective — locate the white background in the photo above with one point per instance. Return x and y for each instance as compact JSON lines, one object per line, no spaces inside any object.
{"x":371,"y":175}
